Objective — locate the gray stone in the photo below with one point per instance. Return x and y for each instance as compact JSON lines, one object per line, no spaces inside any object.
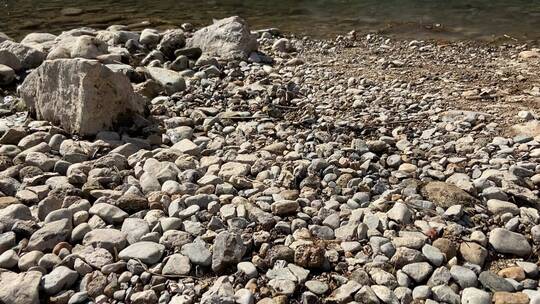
{"x":9,"y":259}
{"x":7,"y":75}
{"x":504,"y":241}
{"x":28,"y":56}
{"x":433,"y":254}
{"x":385,"y":294}
{"x":317,"y":287}
{"x":344,"y":293}
{"x":60,"y":278}
{"x":148,"y":252}
{"x":228,"y":249}
{"x":228,"y":38}
{"x":134,"y":228}
{"x":82,"y":96}
{"x":221,"y":292}
{"x":198,"y":253}
{"x":109,"y":213}
{"x":494,"y":283}
{"x":110,"y":239}
{"x":444,"y":293}
{"x":248,"y":269}
{"x":400,"y":213}
{"x":463,"y":276}
{"x":418,"y":271}
{"x":172,"y":81}
{"x":49,"y":235}
{"x":177,"y":264}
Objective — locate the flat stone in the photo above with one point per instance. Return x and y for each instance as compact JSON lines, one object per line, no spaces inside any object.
{"x":49,"y":235}
{"x":60,"y":278}
{"x":504,"y":241}
{"x":110,"y":239}
{"x":494,"y":283}
{"x":148,"y":252}
{"x":344,"y":293}
{"x":446,"y":195}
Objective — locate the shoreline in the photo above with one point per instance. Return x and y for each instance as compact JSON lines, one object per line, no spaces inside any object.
{"x":265,"y":168}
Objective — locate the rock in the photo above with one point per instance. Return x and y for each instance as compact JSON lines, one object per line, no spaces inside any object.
{"x":508,"y":242}
{"x":28,"y":56}
{"x":433,"y":254}
{"x":443,"y":293}
{"x":463,"y":276}
{"x":447,"y":247}
{"x":248,"y":269}
{"x":515,"y":273}
{"x":170,"y":80}
{"x":473,"y":253}
{"x":502,"y":297}
{"x":221,"y":292}
{"x":177,"y":264}
{"x":4,"y":37}
{"x":49,"y":235}
{"x":317,"y":287}
{"x":284,"y":207}
{"x":83,"y":97}
{"x":232,"y":169}
{"x":385,"y":294}
{"x":60,"y":278}
{"x":344,"y":293}
{"x":148,"y":252}
{"x":494,"y":283}
{"x":96,"y":257}
{"x":9,"y":259}
{"x":107,"y":212}
{"x":134,"y":229}
{"x":531,"y":269}
{"x":228,"y":38}
{"x":418,"y":271}
{"x":7,"y":241}
{"x":530,"y":128}
{"x":20,"y":287}
{"x":500,"y":207}
{"x":446,"y":195}
{"x":172,"y":40}
{"x":7,"y":75}
{"x":149,"y":37}
{"x":197,"y":253}
{"x":144,"y":297}
{"x":228,"y":250}
{"x":110,"y":239}
{"x":309,"y":256}
{"x":400,"y":213}
{"x":473,"y":295}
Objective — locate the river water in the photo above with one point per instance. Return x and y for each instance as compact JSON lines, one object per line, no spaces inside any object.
{"x":439,"y":19}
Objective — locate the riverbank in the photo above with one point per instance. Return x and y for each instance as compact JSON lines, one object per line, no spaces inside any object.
{"x":257,"y":168}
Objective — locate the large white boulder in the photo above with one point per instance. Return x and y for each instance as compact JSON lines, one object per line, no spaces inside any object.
{"x":80,"y":95}
{"x":228,"y":38}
